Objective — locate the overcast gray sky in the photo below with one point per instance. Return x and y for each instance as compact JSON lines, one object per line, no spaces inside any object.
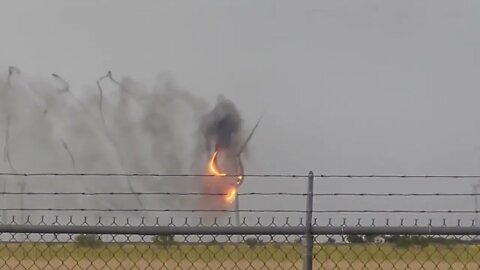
{"x":349,"y":86}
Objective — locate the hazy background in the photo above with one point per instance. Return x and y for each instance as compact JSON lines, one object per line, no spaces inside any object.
{"x":349,"y":86}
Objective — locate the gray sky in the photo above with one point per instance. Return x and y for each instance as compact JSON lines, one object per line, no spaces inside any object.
{"x":349,"y":86}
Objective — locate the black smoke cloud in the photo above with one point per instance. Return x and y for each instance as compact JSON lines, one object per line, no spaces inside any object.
{"x":222,"y":127}
{"x":222,"y":132}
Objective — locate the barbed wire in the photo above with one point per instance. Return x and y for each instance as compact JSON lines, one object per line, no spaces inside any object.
{"x":402,"y":211}
{"x":152,"y":210}
{"x":325,"y":176}
{"x":151,"y":175}
{"x":243,"y":210}
{"x":399,"y":176}
{"x":240,"y":194}
{"x":153,"y":193}
{"x":360,"y":194}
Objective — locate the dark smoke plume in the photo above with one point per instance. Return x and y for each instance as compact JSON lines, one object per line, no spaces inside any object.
{"x":222,"y":130}
{"x":222,"y":127}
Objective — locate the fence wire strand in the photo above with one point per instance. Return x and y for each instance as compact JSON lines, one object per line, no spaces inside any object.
{"x":359,"y":194}
{"x":243,"y":210}
{"x":325,"y":176}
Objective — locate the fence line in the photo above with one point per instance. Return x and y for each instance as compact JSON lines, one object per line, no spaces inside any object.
{"x":336,"y":194}
{"x":243,"y":210}
{"x":325,"y":176}
{"x":151,"y":175}
{"x":240,"y":230}
{"x":308,"y":228}
{"x":155,"y":193}
{"x":399,"y":176}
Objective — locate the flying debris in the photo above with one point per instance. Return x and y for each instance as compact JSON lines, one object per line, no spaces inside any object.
{"x":11,"y":71}
{"x":66,"y":85}
{"x":213,"y":166}
{"x":231,"y":194}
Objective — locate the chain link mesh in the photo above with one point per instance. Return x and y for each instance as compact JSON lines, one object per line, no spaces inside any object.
{"x":72,"y":250}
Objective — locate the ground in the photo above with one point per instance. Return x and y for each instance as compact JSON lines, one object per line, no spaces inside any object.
{"x":230,"y":256}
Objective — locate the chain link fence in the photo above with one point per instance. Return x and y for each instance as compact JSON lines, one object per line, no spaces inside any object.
{"x":36,"y":235}
{"x":277,"y":245}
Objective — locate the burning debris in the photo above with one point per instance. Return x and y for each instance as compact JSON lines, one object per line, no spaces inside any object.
{"x":223,"y":130}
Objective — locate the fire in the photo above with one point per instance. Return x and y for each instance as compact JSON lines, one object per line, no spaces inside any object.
{"x":231,"y":194}
{"x":215,"y":171}
{"x":213,"y":167}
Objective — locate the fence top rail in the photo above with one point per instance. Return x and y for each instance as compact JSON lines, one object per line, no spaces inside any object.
{"x":239,"y":230}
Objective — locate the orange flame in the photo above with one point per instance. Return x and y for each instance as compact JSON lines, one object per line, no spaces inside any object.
{"x":212,"y":166}
{"x":215,"y":171}
{"x":231,"y":194}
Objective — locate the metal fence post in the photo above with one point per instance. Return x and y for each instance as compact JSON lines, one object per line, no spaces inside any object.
{"x":307,"y":255}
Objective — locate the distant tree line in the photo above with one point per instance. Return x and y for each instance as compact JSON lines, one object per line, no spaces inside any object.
{"x":164,"y":240}
{"x":88,"y":240}
{"x":409,"y":240}
{"x":91,"y":240}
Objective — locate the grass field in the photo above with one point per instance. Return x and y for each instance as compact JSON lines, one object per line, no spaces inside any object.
{"x":230,"y":256}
